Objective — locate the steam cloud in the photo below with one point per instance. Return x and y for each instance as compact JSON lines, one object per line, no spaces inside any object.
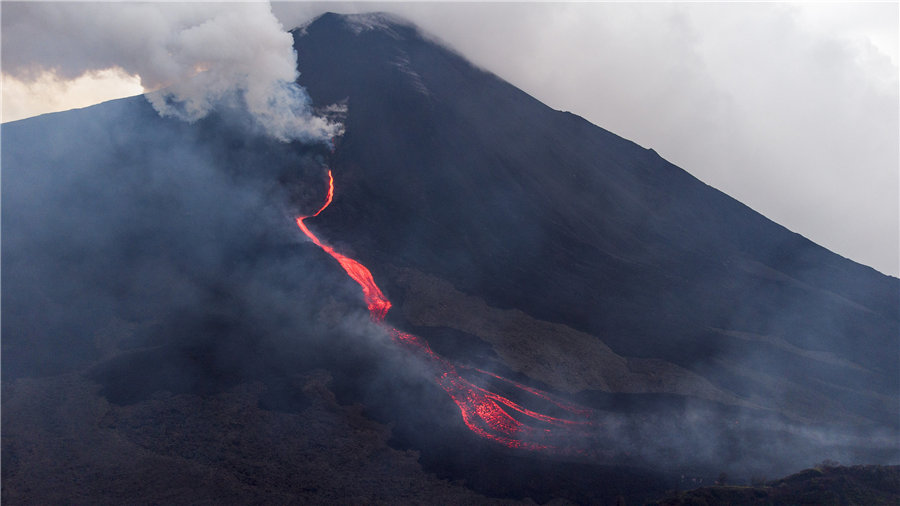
{"x":191,"y":58}
{"x":149,"y":225}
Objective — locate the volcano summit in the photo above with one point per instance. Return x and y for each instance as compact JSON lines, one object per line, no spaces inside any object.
{"x":169,"y":333}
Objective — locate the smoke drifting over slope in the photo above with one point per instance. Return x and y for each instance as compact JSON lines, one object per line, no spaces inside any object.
{"x":191,"y":58}
{"x":708,"y":85}
{"x":159,"y":259}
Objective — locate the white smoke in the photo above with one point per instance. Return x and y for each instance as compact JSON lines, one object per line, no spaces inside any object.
{"x":190,"y":57}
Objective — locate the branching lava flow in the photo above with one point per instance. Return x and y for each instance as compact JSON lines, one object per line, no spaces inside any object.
{"x":486,"y":413}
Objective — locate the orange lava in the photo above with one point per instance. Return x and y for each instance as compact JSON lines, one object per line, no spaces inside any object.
{"x":485,"y":413}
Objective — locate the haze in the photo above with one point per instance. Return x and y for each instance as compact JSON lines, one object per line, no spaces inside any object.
{"x":790,"y":108}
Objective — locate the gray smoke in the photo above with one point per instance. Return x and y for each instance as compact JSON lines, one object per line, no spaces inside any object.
{"x":191,"y":58}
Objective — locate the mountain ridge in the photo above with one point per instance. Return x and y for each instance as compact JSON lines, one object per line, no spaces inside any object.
{"x":727,"y":237}
{"x":154,"y":279}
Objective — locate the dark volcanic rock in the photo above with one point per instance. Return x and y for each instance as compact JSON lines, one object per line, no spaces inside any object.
{"x":168,"y":335}
{"x":65,"y":444}
{"x":856,"y":485}
{"x":447,"y":169}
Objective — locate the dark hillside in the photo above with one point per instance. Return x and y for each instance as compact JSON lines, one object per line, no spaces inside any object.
{"x":447,"y":169}
{"x":827,"y":485}
{"x":168,"y":333}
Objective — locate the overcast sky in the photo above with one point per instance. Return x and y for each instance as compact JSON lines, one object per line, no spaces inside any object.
{"x":790,"y":108}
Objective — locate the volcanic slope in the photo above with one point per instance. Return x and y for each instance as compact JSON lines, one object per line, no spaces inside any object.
{"x":153,"y":275}
{"x":647,"y":280}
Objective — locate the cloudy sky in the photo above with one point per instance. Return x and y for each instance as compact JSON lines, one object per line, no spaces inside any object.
{"x":790,"y":108}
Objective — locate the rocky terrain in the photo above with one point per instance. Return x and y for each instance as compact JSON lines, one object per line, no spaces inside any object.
{"x":170,"y":337}
{"x":825,"y":485}
{"x":64,"y":443}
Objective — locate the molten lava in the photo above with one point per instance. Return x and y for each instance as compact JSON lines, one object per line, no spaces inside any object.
{"x":485,"y":413}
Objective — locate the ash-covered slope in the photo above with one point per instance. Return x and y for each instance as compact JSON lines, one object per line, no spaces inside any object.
{"x":450,"y":171}
{"x":163,"y":318}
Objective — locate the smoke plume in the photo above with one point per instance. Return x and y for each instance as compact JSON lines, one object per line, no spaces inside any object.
{"x":191,"y":58}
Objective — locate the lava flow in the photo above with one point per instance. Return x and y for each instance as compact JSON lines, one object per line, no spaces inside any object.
{"x":486,"y":413}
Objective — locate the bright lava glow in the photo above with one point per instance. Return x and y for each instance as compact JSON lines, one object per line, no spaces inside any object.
{"x":486,"y":413}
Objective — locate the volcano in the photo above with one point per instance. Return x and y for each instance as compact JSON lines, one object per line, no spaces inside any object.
{"x":475,"y":192}
{"x":169,"y":333}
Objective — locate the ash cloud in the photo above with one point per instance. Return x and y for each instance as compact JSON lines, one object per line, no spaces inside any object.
{"x":191,"y":58}
{"x":184,"y":233}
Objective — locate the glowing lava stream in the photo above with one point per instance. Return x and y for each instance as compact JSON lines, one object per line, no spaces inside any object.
{"x":485,"y":413}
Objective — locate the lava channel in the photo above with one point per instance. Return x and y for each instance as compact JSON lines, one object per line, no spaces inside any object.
{"x":485,"y":413}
